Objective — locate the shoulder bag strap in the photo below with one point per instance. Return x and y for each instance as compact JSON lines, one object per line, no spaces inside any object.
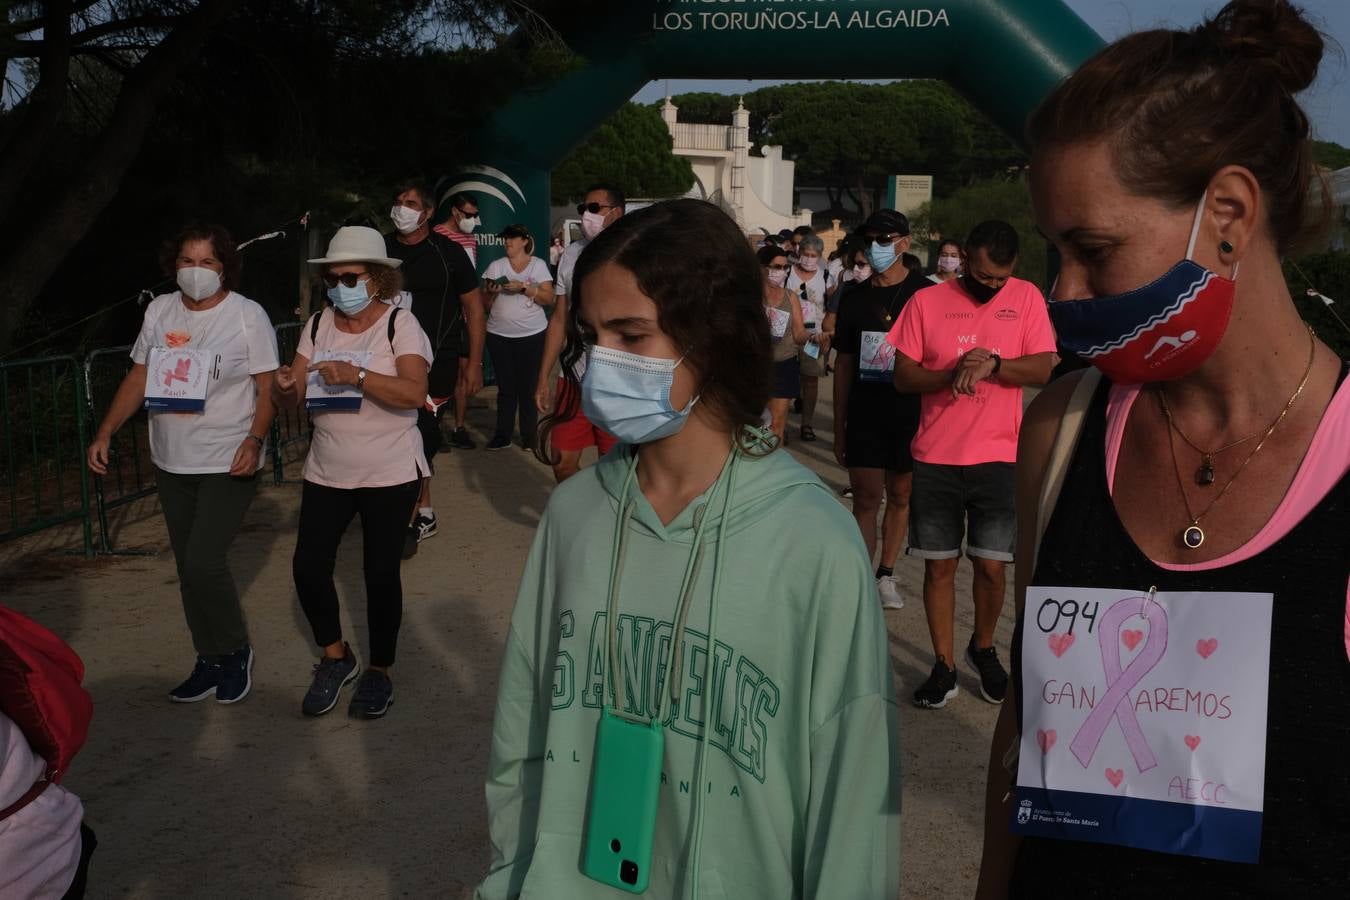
{"x":1066,"y":441}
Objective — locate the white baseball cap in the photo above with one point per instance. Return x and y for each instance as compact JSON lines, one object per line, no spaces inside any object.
{"x":357,"y":243}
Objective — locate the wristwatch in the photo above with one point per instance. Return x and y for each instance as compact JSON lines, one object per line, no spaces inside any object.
{"x":256,"y":438}
{"x":998,"y":363}
{"x":361,"y":379}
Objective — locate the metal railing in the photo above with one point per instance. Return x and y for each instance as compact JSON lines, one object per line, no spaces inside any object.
{"x":130,"y":470}
{"x":44,"y":481}
{"x":291,"y":427}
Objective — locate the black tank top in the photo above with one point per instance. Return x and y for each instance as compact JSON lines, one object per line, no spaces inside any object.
{"x":1305,"y":838}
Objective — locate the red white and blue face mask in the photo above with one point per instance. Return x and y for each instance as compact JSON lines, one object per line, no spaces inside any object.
{"x":1159,"y":332}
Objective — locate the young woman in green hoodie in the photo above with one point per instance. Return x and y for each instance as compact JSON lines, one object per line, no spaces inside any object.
{"x":665,"y":597}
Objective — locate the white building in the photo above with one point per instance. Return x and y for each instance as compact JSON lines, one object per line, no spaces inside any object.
{"x":755,"y":190}
{"x":1339,"y":184}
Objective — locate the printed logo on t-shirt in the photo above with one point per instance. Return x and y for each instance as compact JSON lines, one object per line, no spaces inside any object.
{"x":744,"y":698}
{"x":1006,"y":314}
{"x":174,"y":339}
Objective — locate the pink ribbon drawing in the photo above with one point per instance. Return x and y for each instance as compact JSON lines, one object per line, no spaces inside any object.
{"x":1116,"y":704}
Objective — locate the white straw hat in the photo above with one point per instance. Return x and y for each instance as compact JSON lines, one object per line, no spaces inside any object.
{"x":357,"y":243}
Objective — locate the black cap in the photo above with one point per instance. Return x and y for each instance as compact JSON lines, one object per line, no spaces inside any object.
{"x":517,"y":230}
{"x":886,"y":221}
{"x":785,"y":233}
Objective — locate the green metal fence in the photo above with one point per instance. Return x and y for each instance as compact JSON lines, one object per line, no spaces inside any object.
{"x":130,"y":471}
{"x":44,"y":481}
{"x":291,"y":427}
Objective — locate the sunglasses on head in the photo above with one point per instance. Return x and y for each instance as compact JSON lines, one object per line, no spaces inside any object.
{"x":885,"y":240}
{"x":350,"y":279}
{"x":593,"y":208}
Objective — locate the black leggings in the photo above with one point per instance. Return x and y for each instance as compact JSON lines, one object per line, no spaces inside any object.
{"x":325,"y":513}
{"x":516,"y":362}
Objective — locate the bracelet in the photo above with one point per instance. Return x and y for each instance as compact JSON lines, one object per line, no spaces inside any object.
{"x":256,"y":438}
{"x":998,"y":363}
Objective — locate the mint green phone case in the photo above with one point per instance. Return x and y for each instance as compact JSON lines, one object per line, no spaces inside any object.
{"x":621,"y":811}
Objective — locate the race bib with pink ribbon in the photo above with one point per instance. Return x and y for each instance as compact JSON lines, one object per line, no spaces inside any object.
{"x":1144,"y":719}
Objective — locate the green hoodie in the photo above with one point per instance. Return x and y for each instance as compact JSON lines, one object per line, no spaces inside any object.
{"x":802,"y":790}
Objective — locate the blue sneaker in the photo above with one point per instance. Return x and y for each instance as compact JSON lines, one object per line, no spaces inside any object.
{"x":373,"y":696}
{"x":236,"y":675}
{"x":201,"y":684}
{"x":329,"y":677}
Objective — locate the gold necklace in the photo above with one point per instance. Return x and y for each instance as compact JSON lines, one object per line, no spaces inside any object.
{"x":1204,"y":476}
{"x":1193,"y":536}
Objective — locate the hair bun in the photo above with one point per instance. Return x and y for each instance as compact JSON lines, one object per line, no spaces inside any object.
{"x":1271,"y":33}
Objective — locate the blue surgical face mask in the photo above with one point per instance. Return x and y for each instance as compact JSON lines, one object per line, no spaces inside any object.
{"x":350,"y":300}
{"x":629,"y":395}
{"x":881,"y":256}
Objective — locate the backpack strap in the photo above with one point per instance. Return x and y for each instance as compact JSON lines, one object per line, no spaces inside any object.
{"x":390,"y":331}
{"x":1066,"y":441}
{"x":314,"y":327}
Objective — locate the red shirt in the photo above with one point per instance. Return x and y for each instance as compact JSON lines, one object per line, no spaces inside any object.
{"x":467,"y":241}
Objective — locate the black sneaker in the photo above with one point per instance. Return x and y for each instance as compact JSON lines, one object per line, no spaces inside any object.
{"x":938,"y":689}
{"x":202,"y":683}
{"x":329,"y":677}
{"x":993,"y":677}
{"x":460,"y":438}
{"x":236,"y":675}
{"x":410,"y":540}
{"x":499,"y":443}
{"x":425,"y":526}
{"x":373,"y":696}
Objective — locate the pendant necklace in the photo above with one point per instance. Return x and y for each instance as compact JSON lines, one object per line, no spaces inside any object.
{"x":1204,"y":476}
{"x":1193,"y":536}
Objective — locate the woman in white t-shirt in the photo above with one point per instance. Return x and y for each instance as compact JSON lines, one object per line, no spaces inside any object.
{"x":361,"y":368}
{"x":519,"y":286}
{"x":811,"y":283}
{"x":202,"y":365}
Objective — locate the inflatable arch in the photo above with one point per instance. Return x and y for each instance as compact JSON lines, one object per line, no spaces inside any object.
{"x":1002,"y":55}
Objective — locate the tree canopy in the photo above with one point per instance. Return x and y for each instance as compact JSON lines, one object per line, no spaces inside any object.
{"x":1005,"y":198}
{"x":632,"y":149}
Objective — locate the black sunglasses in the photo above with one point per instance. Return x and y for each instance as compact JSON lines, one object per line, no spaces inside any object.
{"x":593,"y":208}
{"x":782,"y":268}
{"x":350,"y":279}
{"x":886,"y":240}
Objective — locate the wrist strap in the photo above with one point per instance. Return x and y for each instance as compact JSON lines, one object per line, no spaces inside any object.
{"x":998,"y":362}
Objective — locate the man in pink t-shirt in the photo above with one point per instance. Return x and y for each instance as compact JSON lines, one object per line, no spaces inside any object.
{"x":968,"y":346}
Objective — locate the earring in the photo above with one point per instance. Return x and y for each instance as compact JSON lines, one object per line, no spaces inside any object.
{"x":1225,"y":247}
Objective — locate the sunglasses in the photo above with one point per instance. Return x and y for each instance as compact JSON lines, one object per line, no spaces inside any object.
{"x":886,"y":240}
{"x":593,"y":208}
{"x":782,"y":268}
{"x":350,"y":279}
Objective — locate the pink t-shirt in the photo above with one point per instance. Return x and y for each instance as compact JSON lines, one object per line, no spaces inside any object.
{"x":937,"y":327}
{"x":376,"y":446}
{"x":1326,"y":463}
{"x":39,"y":844}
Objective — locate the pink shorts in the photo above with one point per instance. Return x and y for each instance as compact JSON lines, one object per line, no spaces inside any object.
{"x":578,"y":433}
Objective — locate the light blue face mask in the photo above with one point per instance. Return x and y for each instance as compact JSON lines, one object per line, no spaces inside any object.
{"x":881,"y":257}
{"x":629,"y":395}
{"x":350,"y":300}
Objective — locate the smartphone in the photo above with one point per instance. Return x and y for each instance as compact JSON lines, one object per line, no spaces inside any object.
{"x":621,"y":811}
{"x":503,"y":281}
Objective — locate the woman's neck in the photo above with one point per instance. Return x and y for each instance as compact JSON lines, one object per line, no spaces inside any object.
{"x":208,"y":303}
{"x":1257,"y":366}
{"x":673,"y":471}
{"x":358,"y":323}
{"x":518,"y":263}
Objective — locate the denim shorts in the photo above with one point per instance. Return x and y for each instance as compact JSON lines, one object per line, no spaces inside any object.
{"x":975,"y":505}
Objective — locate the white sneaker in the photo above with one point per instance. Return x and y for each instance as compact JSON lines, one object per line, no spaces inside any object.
{"x":889,"y":591}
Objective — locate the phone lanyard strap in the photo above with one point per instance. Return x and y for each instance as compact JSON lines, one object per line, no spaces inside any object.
{"x":691,"y":571}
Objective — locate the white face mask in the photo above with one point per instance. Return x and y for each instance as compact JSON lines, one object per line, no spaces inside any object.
{"x":810,"y":263}
{"x":862,"y":272}
{"x":198,"y":282}
{"x":469,"y":223}
{"x":777,"y":277}
{"x":405,"y":220}
{"x":592,"y":224}
{"x":948,"y":263}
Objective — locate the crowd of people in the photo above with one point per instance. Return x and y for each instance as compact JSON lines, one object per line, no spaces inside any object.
{"x":677,"y":347}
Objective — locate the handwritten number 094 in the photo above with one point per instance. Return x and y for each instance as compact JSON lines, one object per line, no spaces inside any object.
{"x":1069,"y":609}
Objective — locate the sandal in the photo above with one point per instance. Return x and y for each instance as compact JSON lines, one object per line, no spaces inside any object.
{"x":808,"y":433}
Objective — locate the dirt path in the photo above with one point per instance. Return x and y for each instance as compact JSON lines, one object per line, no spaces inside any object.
{"x":256,"y":801}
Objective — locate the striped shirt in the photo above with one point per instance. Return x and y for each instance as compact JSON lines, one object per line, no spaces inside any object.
{"x":467,"y":241}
